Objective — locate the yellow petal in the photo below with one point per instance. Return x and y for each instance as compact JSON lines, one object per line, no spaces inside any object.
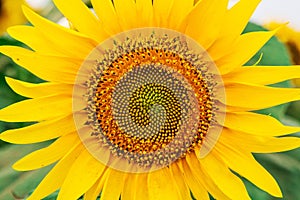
{"x":179,"y":181}
{"x":178,"y":12}
{"x":107,"y":15}
{"x":55,"y":178}
{"x":31,"y":134}
{"x":113,"y":185}
{"x":202,"y":28}
{"x":84,"y":172}
{"x":94,"y":191}
{"x":259,"y":144}
{"x":246,"y":47}
{"x":199,"y":192}
{"x":143,"y":191}
{"x":234,"y":22}
{"x":145,"y":12}
{"x":50,"y":68}
{"x":162,"y":10}
{"x":127,"y":13}
{"x":229,"y":183}
{"x":200,"y":174}
{"x":161,"y":186}
{"x":38,"y":109}
{"x":33,"y":90}
{"x":47,"y":155}
{"x":257,"y":124}
{"x":130,"y":182}
{"x":264,"y":75}
{"x":255,"y":97}
{"x":222,"y":46}
{"x":35,"y":39}
{"x":246,"y":165}
{"x":62,"y":37}
{"x":85,"y":22}
{"x":238,"y":17}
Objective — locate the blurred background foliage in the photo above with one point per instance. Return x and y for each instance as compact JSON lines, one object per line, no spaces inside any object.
{"x":285,"y":167}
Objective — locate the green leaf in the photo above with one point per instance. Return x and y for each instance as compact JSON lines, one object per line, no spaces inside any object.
{"x":7,"y":40}
{"x":294,"y":110}
{"x":14,"y":184}
{"x":274,"y":54}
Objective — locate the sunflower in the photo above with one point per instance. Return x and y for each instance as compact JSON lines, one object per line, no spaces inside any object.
{"x":9,"y":18}
{"x":291,"y":38}
{"x":148,"y":100}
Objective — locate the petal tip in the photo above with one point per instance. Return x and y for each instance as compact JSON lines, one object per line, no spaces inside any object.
{"x":26,"y":9}
{"x":16,"y":166}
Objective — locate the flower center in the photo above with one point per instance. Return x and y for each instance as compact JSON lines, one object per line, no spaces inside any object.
{"x":136,"y":106}
{"x":149,"y":100}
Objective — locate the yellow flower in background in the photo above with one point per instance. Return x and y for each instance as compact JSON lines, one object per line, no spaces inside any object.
{"x":148,"y":100}
{"x":10,"y":14}
{"x":291,"y":38}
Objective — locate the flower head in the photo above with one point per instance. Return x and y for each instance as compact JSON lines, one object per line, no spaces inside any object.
{"x":150,"y":95}
{"x":291,"y":38}
{"x":9,"y":18}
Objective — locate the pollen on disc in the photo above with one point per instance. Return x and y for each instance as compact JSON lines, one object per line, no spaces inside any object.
{"x":151,"y":96}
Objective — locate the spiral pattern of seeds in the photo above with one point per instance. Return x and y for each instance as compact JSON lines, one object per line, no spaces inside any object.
{"x":139,"y":106}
